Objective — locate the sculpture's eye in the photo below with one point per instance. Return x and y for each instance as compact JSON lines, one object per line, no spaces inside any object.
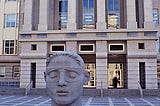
{"x":53,"y":74}
{"x":72,"y":74}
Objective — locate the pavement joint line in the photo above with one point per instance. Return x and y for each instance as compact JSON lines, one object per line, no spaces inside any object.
{"x":13,"y":99}
{"x":27,"y":101}
{"x":42,"y":102}
{"x":110,"y":101}
{"x":148,"y":102}
{"x":89,"y":101}
{"x":7,"y":97}
{"x":129,"y":102}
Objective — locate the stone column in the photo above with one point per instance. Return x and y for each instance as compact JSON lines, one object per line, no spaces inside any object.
{"x":131,"y":14}
{"x":101,"y":14}
{"x":101,"y":65}
{"x":148,"y":18}
{"x":71,"y":46}
{"x":43,"y":13}
{"x":28,"y":16}
{"x":72,"y":15}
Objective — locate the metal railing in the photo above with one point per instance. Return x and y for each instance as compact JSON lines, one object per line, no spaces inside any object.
{"x":140,"y":89}
{"x":28,"y":88}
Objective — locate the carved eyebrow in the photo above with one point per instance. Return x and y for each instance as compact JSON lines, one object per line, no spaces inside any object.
{"x":66,"y":68}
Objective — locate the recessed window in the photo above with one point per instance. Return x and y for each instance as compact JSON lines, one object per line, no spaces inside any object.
{"x":86,"y":48}
{"x":2,"y":71}
{"x":156,"y":16}
{"x":33,"y":46}
{"x":57,"y":47}
{"x":9,"y":47}
{"x":10,"y":20}
{"x":10,"y":0}
{"x":116,"y":47}
{"x":141,"y":46}
{"x":16,"y":72}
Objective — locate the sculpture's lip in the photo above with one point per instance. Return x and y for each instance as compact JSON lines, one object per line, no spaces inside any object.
{"x":62,"y":93}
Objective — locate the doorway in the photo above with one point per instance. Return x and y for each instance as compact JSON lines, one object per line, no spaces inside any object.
{"x":33,"y":75}
{"x":115,"y":70}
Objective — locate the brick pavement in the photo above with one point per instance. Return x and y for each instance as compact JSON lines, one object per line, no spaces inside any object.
{"x":15,"y":100}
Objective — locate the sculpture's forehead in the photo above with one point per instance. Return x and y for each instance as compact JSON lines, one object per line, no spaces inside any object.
{"x":60,"y":61}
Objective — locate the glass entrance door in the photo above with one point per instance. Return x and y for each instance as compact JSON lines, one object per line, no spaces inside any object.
{"x":115,"y":75}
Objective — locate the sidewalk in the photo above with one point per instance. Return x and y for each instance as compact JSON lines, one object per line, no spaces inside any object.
{"x":15,"y":100}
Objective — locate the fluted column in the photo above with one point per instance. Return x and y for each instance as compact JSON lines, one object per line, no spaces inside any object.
{"x":28,"y":16}
{"x":43,"y":13}
{"x":101,"y":14}
{"x":148,"y":18}
{"x":131,"y":14}
{"x":72,"y":15}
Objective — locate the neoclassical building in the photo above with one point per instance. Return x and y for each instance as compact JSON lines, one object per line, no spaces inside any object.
{"x":114,"y":37}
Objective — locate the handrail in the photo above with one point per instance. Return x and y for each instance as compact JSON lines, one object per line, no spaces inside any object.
{"x":140,"y":89}
{"x":28,"y":88}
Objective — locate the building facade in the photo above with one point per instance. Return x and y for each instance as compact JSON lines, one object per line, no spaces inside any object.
{"x":156,"y":20}
{"x":114,"y":37}
{"x":9,"y":58}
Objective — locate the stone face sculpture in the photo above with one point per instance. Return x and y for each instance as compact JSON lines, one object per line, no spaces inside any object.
{"x":65,"y":77}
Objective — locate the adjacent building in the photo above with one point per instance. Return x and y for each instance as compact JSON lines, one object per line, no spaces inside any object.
{"x":9,"y":51}
{"x":114,"y":37}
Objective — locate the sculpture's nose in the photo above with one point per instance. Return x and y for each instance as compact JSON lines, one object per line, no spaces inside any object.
{"x":62,"y":81}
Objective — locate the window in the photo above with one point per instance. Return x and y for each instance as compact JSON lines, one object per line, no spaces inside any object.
{"x":88,"y":14}
{"x":10,"y":20}
{"x":116,"y":47}
{"x":16,"y":72}
{"x":86,"y":48}
{"x":2,"y":71}
{"x":140,"y":45}
{"x":63,"y":12}
{"x":10,"y":0}
{"x":113,"y":14}
{"x":156,"y":16}
{"x":91,"y":68}
{"x":158,"y":72}
{"x":57,"y":47}
{"x":9,"y":47}
{"x":33,"y":46}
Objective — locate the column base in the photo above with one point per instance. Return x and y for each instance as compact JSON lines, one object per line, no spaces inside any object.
{"x":71,"y":26}
{"x":149,"y":25}
{"x":132,"y":25}
{"x":27,"y":27}
{"x":101,"y":25}
{"x":42,"y":27}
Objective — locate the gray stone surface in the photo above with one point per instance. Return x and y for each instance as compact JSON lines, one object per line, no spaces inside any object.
{"x":65,"y":77}
{"x":14,"y":100}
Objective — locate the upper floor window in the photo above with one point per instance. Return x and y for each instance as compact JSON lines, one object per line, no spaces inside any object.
{"x":10,"y":20}
{"x":9,"y":47}
{"x":88,"y":14}
{"x":63,"y":13}
{"x":156,"y":16}
{"x":113,"y":14}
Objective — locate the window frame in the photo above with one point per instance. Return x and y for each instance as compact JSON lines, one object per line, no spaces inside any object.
{"x":11,"y":48}
{"x":9,"y":22}
{"x":57,"y":45}
{"x":80,"y":45}
{"x":2,"y":74}
{"x":155,"y":13}
{"x":117,"y":50}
